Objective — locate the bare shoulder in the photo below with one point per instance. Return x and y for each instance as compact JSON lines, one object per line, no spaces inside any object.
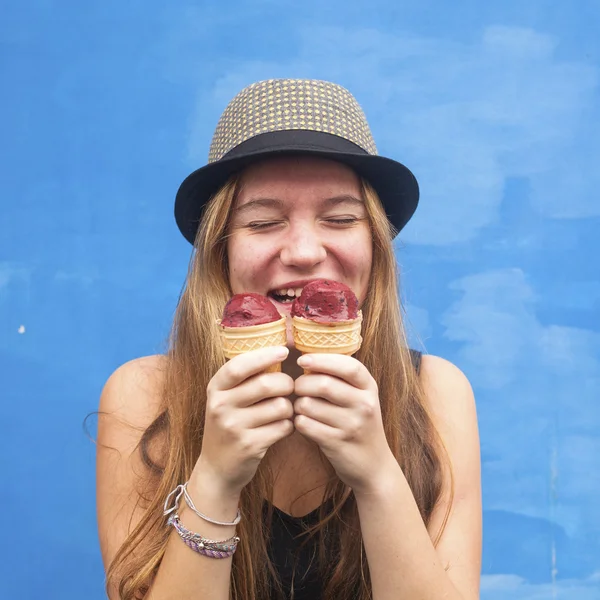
{"x":451,"y":405}
{"x":448,"y":392}
{"x":133,"y":391}
{"x":130,"y":401}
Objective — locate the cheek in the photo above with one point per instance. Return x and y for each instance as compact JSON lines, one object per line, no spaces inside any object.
{"x":364,"y":263}
{"x":246,"y":261}
{"x":366,"y":252}
{"x":359,"y":262}
{"x":358,"y":255}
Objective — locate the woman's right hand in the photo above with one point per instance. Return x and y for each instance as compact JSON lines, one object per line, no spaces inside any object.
{"x":247,"y":411}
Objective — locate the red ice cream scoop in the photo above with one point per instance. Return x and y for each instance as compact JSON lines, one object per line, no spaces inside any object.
{"x":326,"y":301}
{"x":244,"y":310}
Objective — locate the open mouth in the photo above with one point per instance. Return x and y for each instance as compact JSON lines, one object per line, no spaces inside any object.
{"x":285,"y":296}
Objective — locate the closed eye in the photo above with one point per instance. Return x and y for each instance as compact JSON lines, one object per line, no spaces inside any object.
{"x":344,"y":221}
{"x":258,"y":225}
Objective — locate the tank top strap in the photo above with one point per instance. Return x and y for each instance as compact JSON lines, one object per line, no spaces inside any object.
{"x":416,"y":356}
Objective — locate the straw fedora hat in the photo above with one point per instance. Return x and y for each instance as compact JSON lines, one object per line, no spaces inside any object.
{"x":295,"y":116}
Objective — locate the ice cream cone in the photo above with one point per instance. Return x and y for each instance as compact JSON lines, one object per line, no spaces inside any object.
{"x":342,"y":337}
{"x":238,"y":340}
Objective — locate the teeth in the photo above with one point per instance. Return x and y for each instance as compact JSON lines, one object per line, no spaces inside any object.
{"x":291,"y":292}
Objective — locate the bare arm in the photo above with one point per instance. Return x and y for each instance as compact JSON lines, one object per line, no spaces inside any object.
{"x":184,"y":574}
{"x":402,"y":559}
{"x":338,"y":407}
{"x":130,"y":401}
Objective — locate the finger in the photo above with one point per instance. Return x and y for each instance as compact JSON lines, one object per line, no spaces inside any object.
{"x":265,"y":436}
{"x":344,"y":367}
{"x":321,"y":410}
{"x":266,"y":411}
{"x":240,"y":367}
{"x":334,"y":389}
{"x":318,"y":432}
{"x":259,"y":387}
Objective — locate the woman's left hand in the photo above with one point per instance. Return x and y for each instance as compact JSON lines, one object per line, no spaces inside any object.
{"x":338,"y":408}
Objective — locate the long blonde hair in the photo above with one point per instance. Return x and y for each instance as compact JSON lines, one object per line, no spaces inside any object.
{"x":194,"y":356}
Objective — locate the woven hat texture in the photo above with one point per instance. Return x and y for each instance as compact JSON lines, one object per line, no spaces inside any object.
{"x":291,"y":104}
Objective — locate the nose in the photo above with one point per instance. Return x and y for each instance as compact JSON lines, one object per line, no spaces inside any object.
{"x":303,"y":248}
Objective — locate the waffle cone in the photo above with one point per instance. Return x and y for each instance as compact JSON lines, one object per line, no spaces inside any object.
{"x":342,"y":337}
{"x":239,"y":340}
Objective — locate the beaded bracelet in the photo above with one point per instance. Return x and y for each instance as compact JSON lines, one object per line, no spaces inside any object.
{"x":202,"y":545}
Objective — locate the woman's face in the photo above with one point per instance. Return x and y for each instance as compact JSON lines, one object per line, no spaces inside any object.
{"x":296,"y":219}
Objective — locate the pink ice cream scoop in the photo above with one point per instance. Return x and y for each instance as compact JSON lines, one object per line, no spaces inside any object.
{"x":244,"y":310}
{"x":326,"y":301}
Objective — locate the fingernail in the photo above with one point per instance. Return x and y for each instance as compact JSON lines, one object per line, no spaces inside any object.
{"x":282,"y":352}
{"x":304,"y":361}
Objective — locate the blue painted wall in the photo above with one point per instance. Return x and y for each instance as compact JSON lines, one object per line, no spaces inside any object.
{"x":105,"y":107}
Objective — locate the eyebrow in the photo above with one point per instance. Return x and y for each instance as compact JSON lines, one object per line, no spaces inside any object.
{"x":259,"y":202}
{"x":277,"y":203}
{"x":343,"y":199}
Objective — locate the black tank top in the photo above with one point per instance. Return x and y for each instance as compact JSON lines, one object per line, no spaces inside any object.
{"x":291,"y":559}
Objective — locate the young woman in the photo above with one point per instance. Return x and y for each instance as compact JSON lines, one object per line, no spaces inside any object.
{"x":357,"y":480}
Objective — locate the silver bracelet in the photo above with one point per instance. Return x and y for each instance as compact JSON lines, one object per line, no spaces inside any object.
{"x":181,"y":490}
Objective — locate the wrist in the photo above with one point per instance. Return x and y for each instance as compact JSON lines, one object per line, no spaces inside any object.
{"x":207,"y":489}
{"x":380,"y":480}
{"x":208,"y":511}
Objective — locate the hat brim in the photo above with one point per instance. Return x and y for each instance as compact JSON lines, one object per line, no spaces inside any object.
{"x":394,"y":183}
